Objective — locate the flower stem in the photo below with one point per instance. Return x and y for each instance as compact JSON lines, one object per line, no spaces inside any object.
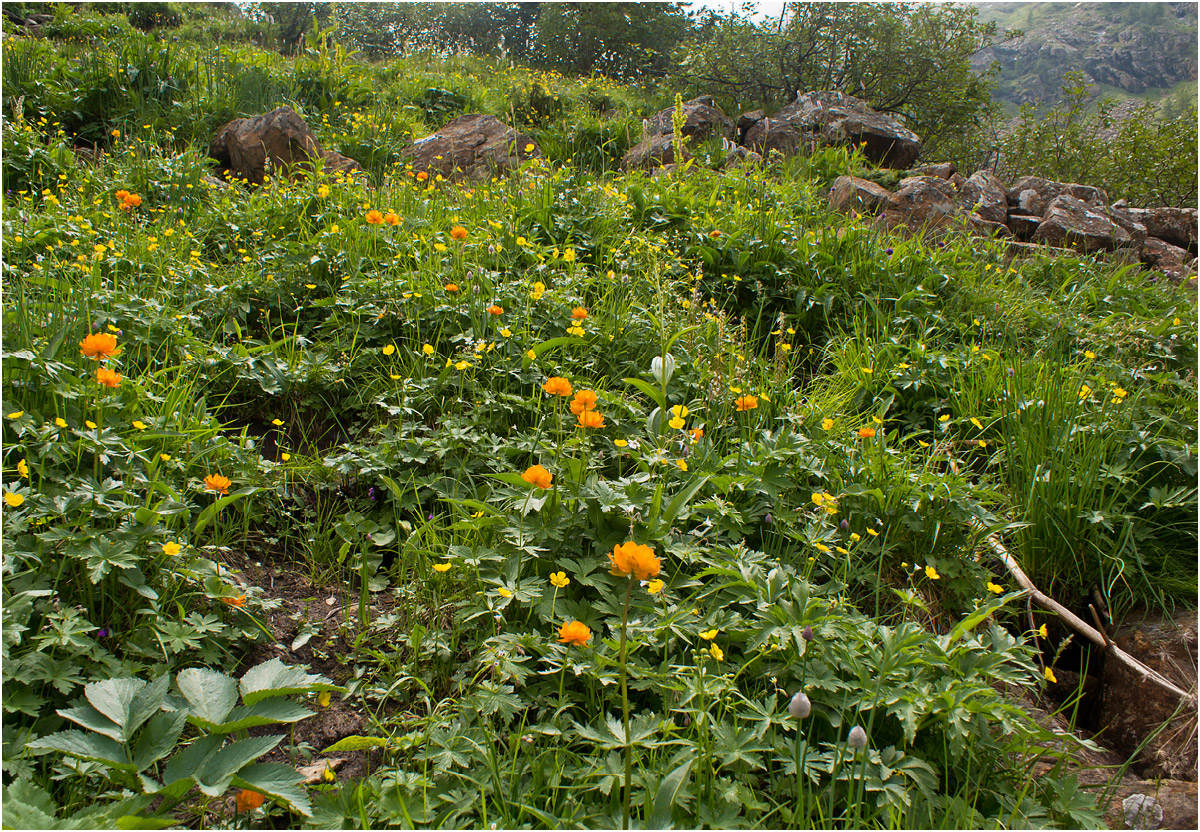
{"x":625,"y":701}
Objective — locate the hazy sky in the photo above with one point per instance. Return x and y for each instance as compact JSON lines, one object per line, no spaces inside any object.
{"x":766,"y":8}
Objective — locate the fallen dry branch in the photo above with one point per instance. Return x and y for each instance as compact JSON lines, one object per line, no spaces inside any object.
{"x":1078,"y":624}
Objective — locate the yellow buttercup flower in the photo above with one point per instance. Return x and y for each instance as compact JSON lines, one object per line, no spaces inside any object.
{"x":388,"y":349}
{"x":932,"y":573}
{"x":709,"y":635}
{"x":23,"y":468}
{"x":171,"y":548}
{"x":716,"y":652}
{"x":504,"y":592}
{"x":827,"y":424}
{"x":14,"y":500}
{"x":559,"y":579}
{"x":444,"y":567}
{"x":1050,"y":676}
{"x":1043,"y":632}
{"x":655,"y":586}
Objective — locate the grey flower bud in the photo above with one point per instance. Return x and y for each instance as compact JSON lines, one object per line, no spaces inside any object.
{"x":800,"y":706}
{"x":808,"y":633}
{"x":857,"y":738}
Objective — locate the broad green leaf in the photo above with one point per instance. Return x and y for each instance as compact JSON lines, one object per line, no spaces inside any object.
{"x":664,"y":798}
{"x":514,"y":479}
{"x":185,"y":764}
{"x":654,"y":393}
{"x":209,"y":513}
{"x":355,"y":742}
{"x":210,"y":695}
{"x":114,"y":698}
{"x":86,"y":747}
{"x":158,"y":738}
{"x":278,"y":781}
{"x":214,"y":777}
{"x":93,"y":720}
{"x":142,"y":822}
{"x":28,"y":806}
{"x":266,"y":712}
{"x":274,"y":678}
{"x":148,"y":702}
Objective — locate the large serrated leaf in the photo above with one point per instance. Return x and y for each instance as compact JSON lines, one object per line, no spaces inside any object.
{"x":27,"y":806}
{"x":210,"y":695}
{"x":217,"y":773}
{"x":185,"y":764}
{"x":160,"y":736}
{"x":86,"y":747}
{"x":93,"y":720}
{"x":267,"y":712}
{"x":114,"y":699}
{"x":274,"y":678}
{"x":148,"y":702}
{"x":278,"y":781}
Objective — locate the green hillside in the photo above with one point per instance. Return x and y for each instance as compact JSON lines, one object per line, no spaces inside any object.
{"x":566,"y":498}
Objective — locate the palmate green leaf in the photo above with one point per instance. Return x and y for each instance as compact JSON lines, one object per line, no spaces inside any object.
{"x":86,"y":747}
{"x":274,"y":678}
{"x":664,"y":797}
{"x":210,"y":695}
{"x":278,"y":781}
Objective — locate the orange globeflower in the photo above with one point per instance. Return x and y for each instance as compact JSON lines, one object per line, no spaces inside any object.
{"x":746,"y":403}
{"x":422,"y":176}
{"x":129,"y":201}
{"x":537,"y":476}
{"x":496,"y":310}
{"x":238,"y":601}
{"x":557,"y":386}
{"x":375,"y":217}
{"x":591,"y":419}
{"x":584,"y":400}
{"x":107,"y":377}
{"x":634,"y":559}
{"x":121,"y":194}
{"x":451,"y":287}
{"x":391,"y":219}
{"x":99,"y":346}
{"x":579,"y":313}
{"x":248,"y":800}
{"x":458,"y":233}
{"x":574,"y":632}
{"x":216,"y":482}
{"x":866,"y":433}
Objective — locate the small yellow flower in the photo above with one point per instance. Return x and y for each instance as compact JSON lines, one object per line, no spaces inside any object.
{"x":1089,"y":355}
{"x":531,"y":355}
{"x":140,"y":425}
{"x":324,"y":698}
{"x":461,"y":365}
{"x":310,"y":285}
{"x":445,"y":567}
{"x":504,"y":592}
{"x":388,"y":349}
{"x":855,"y":536}
{"x":873,"y":533}
{"x":427,"y":349}
{"x":16,"y":414}
{"x":655,"y":586}
{"x":285,"y":456}
{"x":867,"y":370}
{"x":171,"y":548}
{"x":13,"y":499}
{"x":620,"y":443}
{"x":976,"y":423}
{"x":23,"y":468}
{"x":821,"y":547}
{"x":681,"y":464}
{"x":506,"y":332}
{"x":1043,"y":632}
{"x":995,"y":589}
{"x":716,"y":652}
{"x":709,"y":635}
{"x":61,"y":422}
{"x":945,"y":417}
{"x":164,"y":457}
{"x":328,"y":776}
{"x":932,"y":573}
{"x":569,"y":255}
{"x":90,"y":424}
{"x":277,"y":422}
{"x":827,"y":423}
{"x":559,"y":579}
{"x":1050,"y":676}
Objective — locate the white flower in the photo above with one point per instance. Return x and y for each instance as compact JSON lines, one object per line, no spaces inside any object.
{"x":857,"y":738}
{"x":800,"y":706}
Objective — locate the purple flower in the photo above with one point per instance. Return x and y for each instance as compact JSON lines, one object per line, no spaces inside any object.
{"x":371,"y":493}
{"x":103,"y":633}
{"x":888,"y":252}
{"x":430,"y":517}
{"x":808,"y":633}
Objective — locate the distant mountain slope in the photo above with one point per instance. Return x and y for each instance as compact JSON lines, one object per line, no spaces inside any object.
{"x":1146,"y":50}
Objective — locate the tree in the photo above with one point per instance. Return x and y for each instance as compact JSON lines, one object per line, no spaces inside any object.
{"x":912,"y":60}
{"x":621,"y":40}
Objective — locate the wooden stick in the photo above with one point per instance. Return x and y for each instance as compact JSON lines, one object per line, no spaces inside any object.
{"x":1079,"y":625}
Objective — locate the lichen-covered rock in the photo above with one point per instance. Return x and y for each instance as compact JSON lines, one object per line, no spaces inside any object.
{"x":702,"y":118}
{"x":984,"y":194}
{"x":1033,"y":194}
{"x":942,"y":170}
{"x":778,"y":135}
{"x":652,"y":152}
{"x":1175,"y":225}
{"x":922,"y":202}
{"x":276,"y":142}
{"x":1075,"y":224}
{"x":849,"y":193}
{"x":474,"y":146}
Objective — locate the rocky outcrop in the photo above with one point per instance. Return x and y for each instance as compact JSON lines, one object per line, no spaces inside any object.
{"x":828,"y":117}
{"x":652,"y":152}
{"x":473,"y":146}
{"x":1033,"y":194}
{"x":1171,"y":260}
{"x":942,"y":170}
{"x":849,"y":193}
{"x":702,"y":118}
{"x":923,"y":202}
{"x":278,"y":142}
{"x":984,"y":194}
{"x":1176,"y":226}
{"x":1073,"y":223}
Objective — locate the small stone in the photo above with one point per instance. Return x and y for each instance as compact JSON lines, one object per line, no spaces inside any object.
{"x":1142,"y":812}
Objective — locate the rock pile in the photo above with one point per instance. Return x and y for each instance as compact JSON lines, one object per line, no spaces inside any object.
{"x":279,"y":141}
